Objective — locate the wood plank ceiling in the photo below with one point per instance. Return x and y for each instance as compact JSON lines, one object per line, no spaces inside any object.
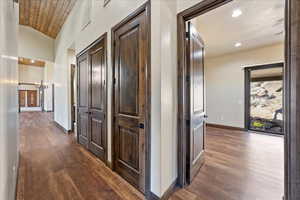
{"x":30,"y":62}
{"x":46,"y":16}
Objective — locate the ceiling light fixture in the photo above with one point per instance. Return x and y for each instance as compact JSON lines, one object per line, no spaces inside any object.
{"x":236,"y":13}
{"x":238,"y":44}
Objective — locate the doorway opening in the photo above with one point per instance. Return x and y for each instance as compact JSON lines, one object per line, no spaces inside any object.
{"x":73,"y":97}
{"x":217,"y":42}
{"x":72,"y":88}
{"x":264,"y":98}
{"x":35,"y":85}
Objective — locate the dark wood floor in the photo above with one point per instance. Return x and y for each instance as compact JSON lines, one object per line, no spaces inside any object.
{"x":238,"y":166}
{"x":54,"y":167}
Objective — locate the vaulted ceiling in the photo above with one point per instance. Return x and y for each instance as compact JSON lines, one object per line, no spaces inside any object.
{"x":46,"y":16}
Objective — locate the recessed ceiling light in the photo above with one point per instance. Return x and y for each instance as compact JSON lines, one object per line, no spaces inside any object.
{"x":238,"y":44}
{"x":236,"y":13}
{"x":32,"y":61}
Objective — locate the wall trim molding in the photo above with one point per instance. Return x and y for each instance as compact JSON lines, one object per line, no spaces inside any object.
{"x":225,"y":127}
{"x":16,"y":179}
{"x":171,"y":190}
{"x":153,"y":196}
{"x":109,"y":164}
{"x":62,"y":128}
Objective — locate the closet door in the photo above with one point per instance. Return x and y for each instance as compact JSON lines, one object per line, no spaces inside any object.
{"x":22,"y":98}
{"x":130,"y":100}
{"x":83,"y":100}
{"x":32,"y":98}
{"x":97,"y":119}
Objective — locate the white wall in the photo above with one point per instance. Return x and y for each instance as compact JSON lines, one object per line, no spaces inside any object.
{"x":35,"y":45}
{"x":31,"y":74}
{"x":9,"y":148}
{"x":168,"y":45}
{"x":225,"y":83}
{"x":48,"y":81}
{"x":156,"y":98}
{"x":71,"y":61}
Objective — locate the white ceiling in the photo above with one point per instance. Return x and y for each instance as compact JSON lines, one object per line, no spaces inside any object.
{"x":261,"y":24}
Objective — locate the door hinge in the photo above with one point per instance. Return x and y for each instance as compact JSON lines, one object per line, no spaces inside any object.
{"x":188,"y":79}
{"x":187,"y":35}
{"x":188,"y":122}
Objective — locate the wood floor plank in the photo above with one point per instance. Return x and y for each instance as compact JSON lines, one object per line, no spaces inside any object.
{"x":54,"y":167}
{"x":238,"y":166}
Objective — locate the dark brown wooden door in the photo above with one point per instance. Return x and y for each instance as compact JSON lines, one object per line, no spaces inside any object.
{"x":83,"y":100}
{"x":196,"y":109}
{"x":22,"y":98}
{"x":98,"y":133}
{"x":130,"y":100}
{"x":31,"y":98}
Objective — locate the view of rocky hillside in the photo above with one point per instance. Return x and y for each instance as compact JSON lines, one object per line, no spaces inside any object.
{"x":266,"y":106}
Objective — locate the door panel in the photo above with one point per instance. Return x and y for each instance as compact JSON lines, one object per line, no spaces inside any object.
{"x":129,"y":141}
{"x":130,"y":100}
{"x":196,"y":121}
{"x":83,"y":110}
{"x":32,"y":98}
{"x":83,"y":81}
{"x":83,"y":119}
{"x":98,"y":131}
{"x":22,"y":98}
{"x":97,"y":79}
{"x":129,"y":76}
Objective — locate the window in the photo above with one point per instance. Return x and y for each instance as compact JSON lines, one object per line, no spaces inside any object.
{"x":264,"y":98}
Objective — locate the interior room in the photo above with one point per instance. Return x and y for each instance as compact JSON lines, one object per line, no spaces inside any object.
{"x":241,"y":47}
{"x":244,"y":43}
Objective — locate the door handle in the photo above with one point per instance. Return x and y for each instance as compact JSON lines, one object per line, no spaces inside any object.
{"x":205,"y":116}
{"x":141,"y":126}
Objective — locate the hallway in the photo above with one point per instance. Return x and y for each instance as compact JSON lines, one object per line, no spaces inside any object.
{"x":54,"y":167}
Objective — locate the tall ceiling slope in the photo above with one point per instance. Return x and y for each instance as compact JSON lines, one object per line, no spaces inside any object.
{"x":46,"y":16}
